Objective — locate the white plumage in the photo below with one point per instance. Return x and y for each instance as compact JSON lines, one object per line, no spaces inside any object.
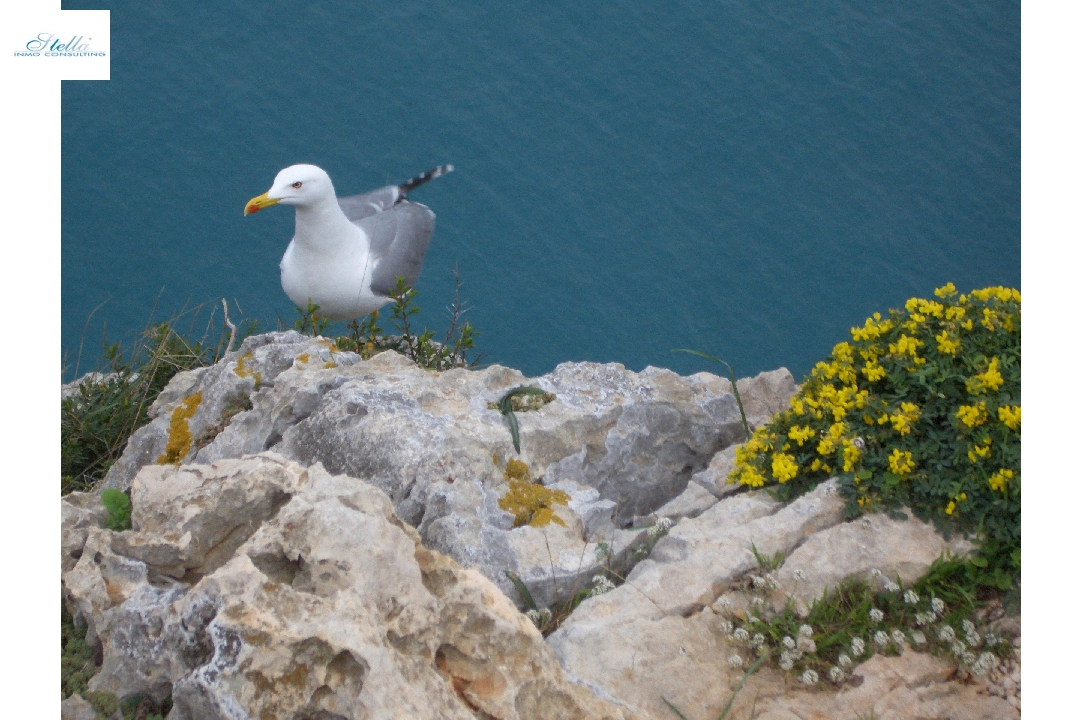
{"x":347,"y":253}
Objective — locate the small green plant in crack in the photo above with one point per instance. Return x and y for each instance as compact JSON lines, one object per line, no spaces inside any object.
{"x":860,"y":618}
{"x":768,"y":563}
{"x":118,"y":504}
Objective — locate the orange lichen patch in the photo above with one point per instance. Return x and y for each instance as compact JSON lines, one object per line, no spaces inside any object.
{"x":180,"y":435}
{"x":303,"y":358}
{"x":531,"y":503}
{"x":331,"y":347}
{"x":329,"y":364}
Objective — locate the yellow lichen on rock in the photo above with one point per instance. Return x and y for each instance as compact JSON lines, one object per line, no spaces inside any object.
{"x":329,"y":364}
{"x":303,"y":358}
{"x":242,"y":368}
{"x":516,"y":470}
{"x":531,"y":503}
{"x":179,"y":441}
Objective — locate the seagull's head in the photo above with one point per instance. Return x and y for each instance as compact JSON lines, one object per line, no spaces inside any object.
{"x":300,"y":185}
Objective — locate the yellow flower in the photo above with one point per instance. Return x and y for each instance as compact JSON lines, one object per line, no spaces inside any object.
{"x":850,"y":455}
{"x":946,"y":345}
{"x":980,"y":450}
{"x":968,"y":324}
{"x":954,"y":312}
{"x":816,"y":465}
{"x":826,"y":446}
{"x":990,"y":379}
{"x":873,"y":328}
{"x":1011,"y":416}
{"x":952,"y":504}
{"x":906,"y":345}
{"x":784,"y":467}
{"x":946,"y":291}
{"x":843,"y":352}
{"x":901,"y":463}
{"x":797,"y":404}
{"x":973,"y":415}
{"x":999,"y":479}
{"x":904,"y":417}
{"x":873,"y":371}
{"x":989,"y":320}
{"x":800,"y":434}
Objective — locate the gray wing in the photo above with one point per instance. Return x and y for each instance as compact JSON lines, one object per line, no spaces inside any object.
{"x":399,"y":240}
{"x":358,"y":207}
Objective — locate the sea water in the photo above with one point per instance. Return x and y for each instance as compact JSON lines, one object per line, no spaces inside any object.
{"x":748,"y":179}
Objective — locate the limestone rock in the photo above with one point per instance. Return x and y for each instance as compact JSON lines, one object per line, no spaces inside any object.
{"x":432,"y":442}
{"x":77,"y":708}
{"x":79,"y":511}
{"x":661,"y":636}
{"x":902,"y":550}
{"x":315,"y":602}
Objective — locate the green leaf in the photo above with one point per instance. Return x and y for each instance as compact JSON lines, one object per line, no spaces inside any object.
{"x":119,"y":507}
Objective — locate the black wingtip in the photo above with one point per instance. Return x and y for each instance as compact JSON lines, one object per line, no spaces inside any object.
{"x":425,"y":177}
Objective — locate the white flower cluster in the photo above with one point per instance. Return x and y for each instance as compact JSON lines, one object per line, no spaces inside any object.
{"x":985,"y":662}
{"x":844,"y":661}
{"x":788,"y":642}
{"x":910,"y":597}
{"x":876,"y":615}
{"x":806,"y":631}
{"x":757,"y":639}
{"x":892,"y":586}
{"x":972,"y":636}
{"x":741,"y":635}
{"x":766,"y":582}
{"x":659,"y":528}
{"x":937,"y":606}
{"x":810,"y":677}
{"x":601,"y":586}
{"x":837,"y":675}
{"x":857,"y":646}
{"x":946,"y":634}
{"x":925,"y":618}
{"x":736,"y":661}
{"x":726,"y":626}
{"x":881,"y":638}
{"x":898,"y":637}
{"x":918,"y":637}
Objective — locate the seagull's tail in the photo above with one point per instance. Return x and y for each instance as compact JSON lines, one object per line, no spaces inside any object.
{"x":424,"y":177}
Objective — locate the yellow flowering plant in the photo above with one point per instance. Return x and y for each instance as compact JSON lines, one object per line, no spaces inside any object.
{"x":921,"y":408}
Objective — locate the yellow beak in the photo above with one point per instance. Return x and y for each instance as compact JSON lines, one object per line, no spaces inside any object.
{"x":258,"y":203}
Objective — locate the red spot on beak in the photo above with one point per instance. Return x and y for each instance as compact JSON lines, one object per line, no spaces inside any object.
{"x":252,"y":209}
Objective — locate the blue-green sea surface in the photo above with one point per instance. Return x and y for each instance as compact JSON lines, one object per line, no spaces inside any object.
{"x":749,"y":179}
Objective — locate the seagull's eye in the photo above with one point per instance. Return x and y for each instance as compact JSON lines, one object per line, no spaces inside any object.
{"x":297,"y":184}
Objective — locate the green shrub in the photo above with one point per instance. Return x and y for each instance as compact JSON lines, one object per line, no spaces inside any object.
{"x":921,"y":409}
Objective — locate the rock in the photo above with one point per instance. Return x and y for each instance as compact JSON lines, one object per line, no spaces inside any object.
{"x":691,"y":503}
{"x":79,"y":511}
{"x":71,"y":389}
{"x":715,"y":478}
{"x":661,"y":636}
{"x":902,"y":550}
{"x":432,"y":442}
{"x":77,"y":708}
{"x":316,"y":601}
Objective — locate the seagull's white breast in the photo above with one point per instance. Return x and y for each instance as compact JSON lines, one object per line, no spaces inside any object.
{"x":336,"y":275}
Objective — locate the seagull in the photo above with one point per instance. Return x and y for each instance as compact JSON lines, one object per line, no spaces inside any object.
{"x":347,"y":253}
